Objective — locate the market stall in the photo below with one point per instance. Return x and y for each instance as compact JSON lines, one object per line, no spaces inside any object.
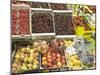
{"x":52,"y":37}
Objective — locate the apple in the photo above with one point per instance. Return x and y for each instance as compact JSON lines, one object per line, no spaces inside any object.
{"x":23,"y":50}
{"x":61,"y":43}
{"x":44,"y":42}
{"x":58,"y":55}
{"x":30,"y":59}
{"x":49,"y":60}
{"x":63,"y":61}
{"x":53,"y":58}
{"x":53,"y":54}
{"x":59,"y":64}
{"x":49,"y":64}
{"x":34,"y":66}
{"x":36,"y":54}
{"x":49,"y":57}
{"x":63,"y":57}
{"x":25,"y":59}
{"x":14,"y":70}
{"x":54,"y":66}
{"x":35,"y":49}
{"x":22,"y":56}
{"x":23,"y":68}
{"x":31,"y":50}
{"x":58,"y":59}
{"x":14,"y":65}
{"x":36,"y":61}
{"x":29,"y":65}
{"x":35,"y":44}
{"x":44,"y":62}
{"x":49,"y":53}
{"x":44,"y":51}
{"x":17,"y":56}
{"x":44,"y":58}
{"x":16,"y":60}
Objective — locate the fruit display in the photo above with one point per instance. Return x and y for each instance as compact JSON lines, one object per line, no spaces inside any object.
{"x":52,"y":37}
{"x":73,"y":62}
{"x":57,"y":6}
{"x":53,"y":55}
{"x":79,"y":21}
{"x":14,"y":22}
{"x":25,"y":59}
{"x":44,"y":5}
{"x":35,"y":5}
{"x":63,"y":24}
{"x":20,"y":2}
{"x":20,"y":21}
{"x":42,"y":23}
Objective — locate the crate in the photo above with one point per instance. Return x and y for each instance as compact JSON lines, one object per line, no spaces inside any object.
{"x":18,"y":7}
{"x":38,"y":11}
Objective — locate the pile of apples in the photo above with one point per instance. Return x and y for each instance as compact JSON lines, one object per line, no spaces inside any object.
{"x":26,"y":58}
{"x":53,"y":55}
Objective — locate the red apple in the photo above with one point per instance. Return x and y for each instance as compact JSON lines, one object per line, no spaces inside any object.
{"x":53,"y":54}
{"x":49,"y":60}
{"x":58,"y":59}
{"x":49,"y":64}
{"x":63,"y":61}
{"x":48,"y":53}
{"x":53,"y":58}
{"x":58,"y":55}
{"x":44,"y":51}
{"x":49,"y":57}
{"x":63,"y":57}
{"x":61,"y":43}
{"x":54,"y":66}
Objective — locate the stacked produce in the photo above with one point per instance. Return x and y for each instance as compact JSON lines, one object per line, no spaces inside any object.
{"x":35,"y":5}
{"x":63,"y":24}
{"x":20,"y":22}
{"x":26,"y":58}
{"x":53,"y":54}
{"x":79,"y":21}
{"x":24,"y":21}
{"x":14,"y":22}
{"x":74,"y":62}
{"x":42,"y":23}
{"x":20,"y":2}
{"x":44,"y":5}
{"x":56,"y":6}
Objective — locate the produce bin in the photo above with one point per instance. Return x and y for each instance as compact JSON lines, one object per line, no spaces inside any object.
{"x":20,"y":20}
{"x":42,"y":22}
{"x":63,"y":22}
{"x":52,"y":37}
{"x":25,"y":58}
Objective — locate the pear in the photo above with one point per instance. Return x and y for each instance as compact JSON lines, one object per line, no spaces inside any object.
{"x":23,"y":67}
{"x":35,"y":44}
{"x":30,"y":59}
{"x":17,"y":56}
{"x":36,"y":61}
{"x":22,"y":50}
{"x":26,"y":59}
{"x":31,"y":51}
{"x":29,"y":65}
{"x":34,"y":66}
